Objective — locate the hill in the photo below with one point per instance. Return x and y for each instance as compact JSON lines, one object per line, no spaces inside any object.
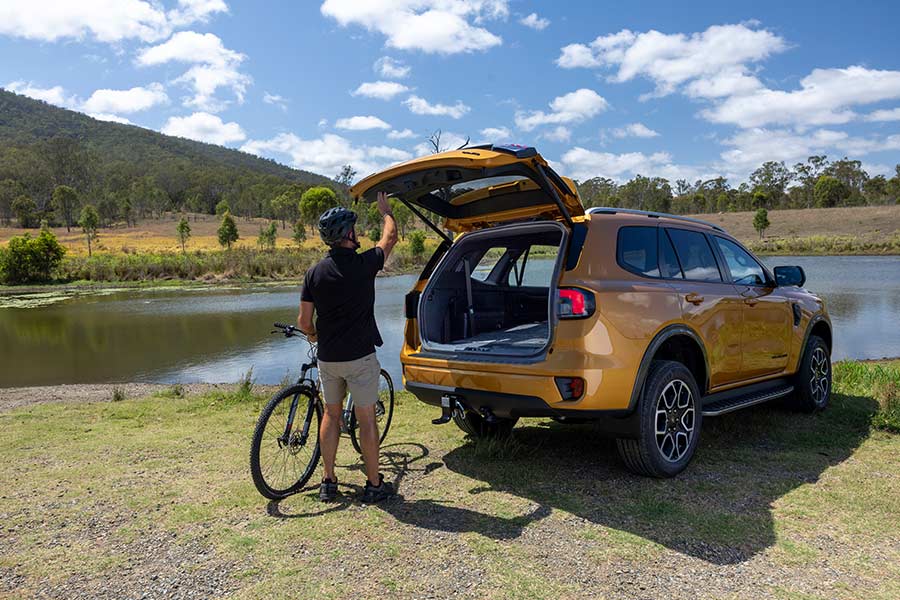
{"x":124,"y":170}
{"x":25,"y":122}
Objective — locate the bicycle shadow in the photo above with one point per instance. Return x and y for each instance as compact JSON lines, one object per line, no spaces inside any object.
{"x":719,"y":510}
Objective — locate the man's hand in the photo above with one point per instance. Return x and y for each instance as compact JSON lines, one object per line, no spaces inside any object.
{"x":305,"y":320}
{"x":384,"y":205}
{"x":389,"y":230}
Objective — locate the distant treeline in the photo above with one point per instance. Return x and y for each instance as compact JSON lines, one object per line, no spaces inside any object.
{"x":126,"y":172}
{"x":816,"y":183}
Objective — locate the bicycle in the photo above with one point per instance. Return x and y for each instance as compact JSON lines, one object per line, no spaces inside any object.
{"x":277,"y":452}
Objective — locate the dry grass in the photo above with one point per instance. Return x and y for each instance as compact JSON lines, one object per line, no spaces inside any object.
{"x":869,"y":223}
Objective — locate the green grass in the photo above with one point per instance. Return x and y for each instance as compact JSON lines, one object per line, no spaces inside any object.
{"x":775,"y":503}
{"x":827,"y":245}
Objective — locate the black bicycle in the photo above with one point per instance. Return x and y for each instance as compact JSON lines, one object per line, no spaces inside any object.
{"x":285,"y":449}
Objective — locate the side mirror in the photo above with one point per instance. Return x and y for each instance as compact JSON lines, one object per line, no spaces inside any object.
{"x":786,"y":276}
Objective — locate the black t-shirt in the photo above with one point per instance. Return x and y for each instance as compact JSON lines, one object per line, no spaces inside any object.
{"x":342,"y":288}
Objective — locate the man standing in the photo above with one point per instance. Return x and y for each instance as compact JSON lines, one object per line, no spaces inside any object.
{"x":341,"y":290}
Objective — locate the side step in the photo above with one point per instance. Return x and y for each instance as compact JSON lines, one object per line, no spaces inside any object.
{"x":732,"y":403}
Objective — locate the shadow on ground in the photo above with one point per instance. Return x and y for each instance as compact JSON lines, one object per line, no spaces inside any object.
{"x":719,"y":510}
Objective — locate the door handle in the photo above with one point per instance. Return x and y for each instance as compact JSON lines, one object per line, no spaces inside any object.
{"x":751,"y":301}
{"x":694,"y":298}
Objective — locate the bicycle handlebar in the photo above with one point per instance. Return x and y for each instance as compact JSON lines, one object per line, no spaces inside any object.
{"x":288,"y":330}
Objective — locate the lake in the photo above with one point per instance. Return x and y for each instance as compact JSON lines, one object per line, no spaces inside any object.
{"x":218,"y":334}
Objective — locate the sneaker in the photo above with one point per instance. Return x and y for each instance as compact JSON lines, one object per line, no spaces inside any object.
{"x":328,"y":490}
{"x":376,"y":493}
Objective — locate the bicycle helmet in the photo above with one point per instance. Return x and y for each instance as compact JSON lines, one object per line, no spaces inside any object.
{"x":335,"y":224}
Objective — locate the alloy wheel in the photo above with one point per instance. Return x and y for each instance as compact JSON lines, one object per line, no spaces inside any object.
{"x":675,"y":413}
{"x":819,"y":381}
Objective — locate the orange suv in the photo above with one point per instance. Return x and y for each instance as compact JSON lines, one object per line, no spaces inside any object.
{"x":641,"y":321}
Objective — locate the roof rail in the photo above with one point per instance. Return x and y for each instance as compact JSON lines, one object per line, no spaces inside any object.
{"x":605,"y":210}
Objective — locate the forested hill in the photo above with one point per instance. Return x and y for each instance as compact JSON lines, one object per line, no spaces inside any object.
{"x":43,"y":146}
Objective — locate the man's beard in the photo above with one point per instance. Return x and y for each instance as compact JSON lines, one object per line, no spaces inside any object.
{"x":352,"y":238}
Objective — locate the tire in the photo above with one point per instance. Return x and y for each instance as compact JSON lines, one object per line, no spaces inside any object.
{"x":298,"y":458}
{"x":475,"y":425}
{"x":384,"y":411}
{"x":670,"y":399}
{"x":813,"y":379}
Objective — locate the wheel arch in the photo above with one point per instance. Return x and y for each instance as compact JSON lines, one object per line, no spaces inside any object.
{"x":675,"y":342}
{"x":820,"y":326}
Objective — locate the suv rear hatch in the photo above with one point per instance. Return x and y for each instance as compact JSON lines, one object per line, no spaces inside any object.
{"x":493,"y":295}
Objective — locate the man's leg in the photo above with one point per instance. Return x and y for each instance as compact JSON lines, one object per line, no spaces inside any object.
{"x":368,"y":440}
{"x":329,"y":435}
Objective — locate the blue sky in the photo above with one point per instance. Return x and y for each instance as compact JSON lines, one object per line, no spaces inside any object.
{"x":680,"y":90}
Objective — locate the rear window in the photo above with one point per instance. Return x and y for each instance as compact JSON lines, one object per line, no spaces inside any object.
{"x":695,"y":255}
{"x":636,"y":250}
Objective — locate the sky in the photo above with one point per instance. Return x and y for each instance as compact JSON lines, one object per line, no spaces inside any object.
{"x":681,"y":90}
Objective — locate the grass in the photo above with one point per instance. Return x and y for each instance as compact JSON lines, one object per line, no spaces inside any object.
{"x":774,"y":504}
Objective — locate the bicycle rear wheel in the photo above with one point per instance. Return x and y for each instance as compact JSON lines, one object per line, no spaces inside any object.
{"x":285,"y":448}
{"x":384,"y":411}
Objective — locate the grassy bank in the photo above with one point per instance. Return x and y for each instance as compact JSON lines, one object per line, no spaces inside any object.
{"x":153,"y":496}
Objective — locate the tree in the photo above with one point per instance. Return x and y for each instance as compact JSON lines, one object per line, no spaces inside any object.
{"x":27,"y":259}
{"x":315,"y":201}
{"x":417,"y":243}
{"x":808,"y":174}
{"x":771,"y":178}
{"x":286,"y":205}
{"x":599,"y":191}
{"x":184,"y":232}
{"x":24,"y":208}
{"x":402,"y":215}
{"x":65,"y":200}
{"x":89,"y":222}
{"x":267,"y":236}
{"x":830,"y":191}
{"x":10,"y":189}
{"x":761,"y":221}
{"x":222,"y":208}
{"x":645,"y":193}
{"x":299,"y":232}
{"x":228,"y":233}
{"x":346,"y":176}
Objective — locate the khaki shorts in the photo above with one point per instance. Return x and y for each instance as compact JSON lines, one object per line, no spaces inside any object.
{"x":360,"y":376}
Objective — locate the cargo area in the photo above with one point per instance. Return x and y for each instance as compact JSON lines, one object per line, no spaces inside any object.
{"x":491,"y":295}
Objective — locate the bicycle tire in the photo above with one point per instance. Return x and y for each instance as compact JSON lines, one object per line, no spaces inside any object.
{"x":385,"y":422}
{"x":277,"y":490}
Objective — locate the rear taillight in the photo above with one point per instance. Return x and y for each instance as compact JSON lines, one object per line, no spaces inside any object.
{"x":570,"y":388}
{"x":575,"y":303}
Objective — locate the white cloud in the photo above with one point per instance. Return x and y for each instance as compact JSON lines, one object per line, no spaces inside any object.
{"x":404,"y":134}
{"x":496,"y":134}
{"x":132,"y":100}
{"x":327,"y":154}
{"x":390,"y":68}
{"x":204,"y":127}
{"x":276,"y":100}
{"x":560,"y":133}
{"x":449,"y":141}
{"x":670,"y":60}
{"x":892,"y":114}
{"x":361,"y":123}
{"x":582,"y":164}
{"x":535,"y":22}
{"x":55,"y":95}
{"x":634,"y":130}
{"x":109,"y":117}
{"x":103,"y":20}
{"x":573,"y":107}
{"x":215,"y":66}
{"x":383,"y":90}
{"x":421,"y":106}
{"x":434,"y":26}
{"x":825,"y":97}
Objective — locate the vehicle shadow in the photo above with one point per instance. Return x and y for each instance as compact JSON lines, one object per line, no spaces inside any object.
{"x":718,"y":510}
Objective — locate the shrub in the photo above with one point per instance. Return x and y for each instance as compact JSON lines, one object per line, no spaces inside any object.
{"x":30,"y":260}
{"x":417,"y":243}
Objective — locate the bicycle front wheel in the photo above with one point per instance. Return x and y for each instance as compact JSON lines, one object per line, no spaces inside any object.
{"x":285,"y":448}
{"x":384,"y":411}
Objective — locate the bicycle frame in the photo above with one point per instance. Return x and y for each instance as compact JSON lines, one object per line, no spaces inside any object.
{"x":313,"y":389}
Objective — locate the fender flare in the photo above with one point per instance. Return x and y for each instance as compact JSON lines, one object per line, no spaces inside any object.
{"x":813,"y":321}
{"x":650,"y":352}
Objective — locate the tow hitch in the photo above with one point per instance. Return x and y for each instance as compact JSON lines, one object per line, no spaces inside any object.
{"x":449,"y":404}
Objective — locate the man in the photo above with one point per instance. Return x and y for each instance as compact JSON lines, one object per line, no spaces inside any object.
{"x":341,"y":290}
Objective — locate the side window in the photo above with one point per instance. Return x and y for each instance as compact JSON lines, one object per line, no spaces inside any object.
{"x":636,"y":250}
{"x":534,"y":267}
{"x":695,"y":255}
{"x":744,"y":270}
{"x":668,"y":262}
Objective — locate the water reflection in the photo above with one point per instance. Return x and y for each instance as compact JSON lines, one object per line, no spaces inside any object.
{"x":216,"y":335}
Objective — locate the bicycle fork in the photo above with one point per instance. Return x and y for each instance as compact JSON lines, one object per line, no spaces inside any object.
{"x":304,"y":433}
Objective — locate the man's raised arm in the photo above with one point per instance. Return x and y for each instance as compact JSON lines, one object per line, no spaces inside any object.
{"x":389,"y":229}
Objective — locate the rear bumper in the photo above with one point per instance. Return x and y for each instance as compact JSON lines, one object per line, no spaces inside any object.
{"x":616,"y":422}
